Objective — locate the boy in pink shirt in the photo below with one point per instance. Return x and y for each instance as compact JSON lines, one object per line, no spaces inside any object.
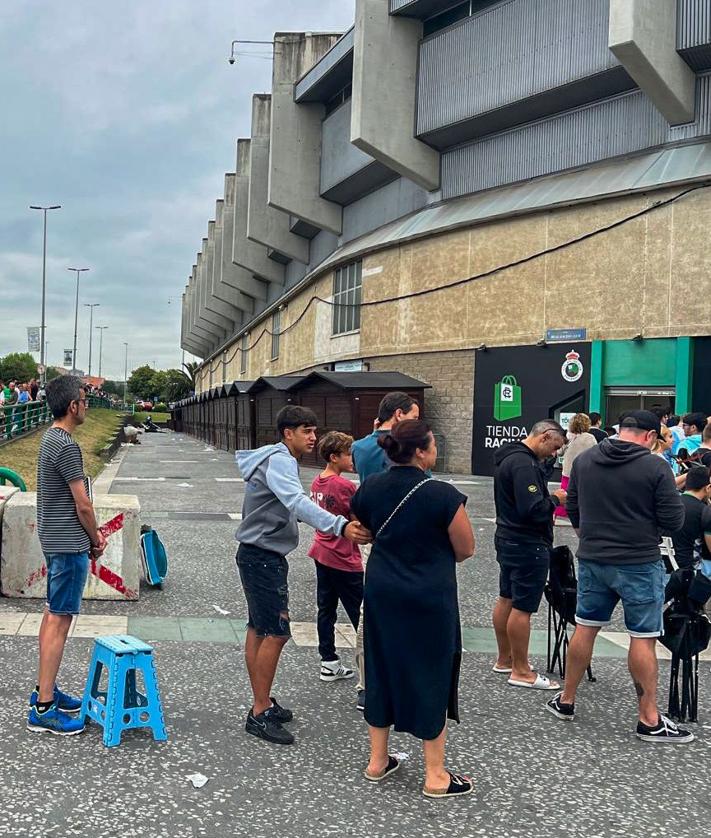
{"x":339,"y":567}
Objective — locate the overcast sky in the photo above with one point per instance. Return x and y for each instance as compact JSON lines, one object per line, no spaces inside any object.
{"x":126,"y":113}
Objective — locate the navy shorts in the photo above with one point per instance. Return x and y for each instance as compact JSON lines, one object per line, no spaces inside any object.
{"x":640,"y":588}
{"x":264,"y":577}
{"x":523,"y":572}
{"x":66,"y":577}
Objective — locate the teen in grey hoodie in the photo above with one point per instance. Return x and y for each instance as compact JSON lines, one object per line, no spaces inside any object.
{"x":274,"y":503}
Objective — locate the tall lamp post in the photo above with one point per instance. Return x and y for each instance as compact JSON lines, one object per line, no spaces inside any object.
{"x":91,"y":307}
{"x":101,"y":344}
{"x":45,"y":210}
{"x":76,"y":317}
{"x":125,"y":373}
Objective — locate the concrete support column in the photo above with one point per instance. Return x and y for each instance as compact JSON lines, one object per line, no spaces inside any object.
{"x":233,"y":275}
{"x":266,"y":225}
{"x":246,"y":253}
{"x":215,"y":302}
{"x":385,"y":56}
{"x":207,"y":308}
{"x":220,"y":289}
{"x":643,"y":39}
{"x":295,"y":134}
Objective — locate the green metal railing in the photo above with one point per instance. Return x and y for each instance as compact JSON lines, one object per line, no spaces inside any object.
{"x":19,"y":419}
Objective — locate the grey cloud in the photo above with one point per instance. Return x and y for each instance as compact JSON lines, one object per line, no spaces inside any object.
{"x":127,"y":115}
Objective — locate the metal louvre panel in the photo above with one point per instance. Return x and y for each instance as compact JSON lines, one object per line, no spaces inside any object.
{"x":508,"y":53}
{"x":626,"y":124}
{"x":693,"y":26}
{"x":398,"y":4}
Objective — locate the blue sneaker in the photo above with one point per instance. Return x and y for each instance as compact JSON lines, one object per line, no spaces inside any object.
{"x":65,"y":703}
{"x":53,"y":721}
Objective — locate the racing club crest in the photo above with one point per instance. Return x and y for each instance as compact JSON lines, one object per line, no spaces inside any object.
{"x":572,"y":369}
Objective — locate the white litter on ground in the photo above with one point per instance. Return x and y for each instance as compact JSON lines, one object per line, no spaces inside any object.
{"x":401,"y":756}
{"x":198,"y":780}
{"x":220,"y":610}
{"x":185,"y":485}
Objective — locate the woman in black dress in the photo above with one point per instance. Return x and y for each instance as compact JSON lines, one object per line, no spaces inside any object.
{"x":412,"y":634}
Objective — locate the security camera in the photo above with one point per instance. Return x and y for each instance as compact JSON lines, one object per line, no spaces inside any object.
{"x":231,"y":60}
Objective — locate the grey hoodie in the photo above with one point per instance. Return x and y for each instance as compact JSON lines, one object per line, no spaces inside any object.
{"x":275,"y":501}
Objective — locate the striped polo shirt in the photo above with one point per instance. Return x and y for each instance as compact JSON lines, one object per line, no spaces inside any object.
{"x":59,"y":463}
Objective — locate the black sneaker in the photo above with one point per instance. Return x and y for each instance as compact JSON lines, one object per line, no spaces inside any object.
{"x":664,"y":731}
{"x":360,"y":703}
{"x":265,"y":726}
{"x":281,"y":714}
{"x":562,"y":711}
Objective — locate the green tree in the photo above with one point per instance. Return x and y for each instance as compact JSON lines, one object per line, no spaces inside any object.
{"x":114,"y":388}
{"x":20,"y":366}
{"x":52,"y":372}
{"x":140,"y":382}
{"x":177,"y":387}
{"x":190,"y":370}
{"x":158,"y":385}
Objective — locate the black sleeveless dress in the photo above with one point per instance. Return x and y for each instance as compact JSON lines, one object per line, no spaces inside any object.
{"x":412,"y":635}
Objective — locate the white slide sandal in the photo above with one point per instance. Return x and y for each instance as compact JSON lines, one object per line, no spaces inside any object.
{"x":541,"y":683}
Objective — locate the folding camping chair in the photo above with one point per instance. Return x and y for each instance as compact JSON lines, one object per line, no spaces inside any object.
{"x":561,"y":592}
{"x":687,"y":632}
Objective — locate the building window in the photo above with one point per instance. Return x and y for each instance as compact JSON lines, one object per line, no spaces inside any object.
{"x":339,"y":98}
{"x":347,"y":285}
{"x":276,"y":328}
{"x":244,"y":349}
{"x":454,"y":14}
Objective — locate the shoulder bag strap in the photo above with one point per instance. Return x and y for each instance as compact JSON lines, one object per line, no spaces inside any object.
{"x":402,"y":503}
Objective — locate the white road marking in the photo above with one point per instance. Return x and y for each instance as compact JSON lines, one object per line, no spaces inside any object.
{"x":236,"y":516}
{"x":229,"y":480}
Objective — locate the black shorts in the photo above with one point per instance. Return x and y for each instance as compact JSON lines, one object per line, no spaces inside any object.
{"x":263,"y":574}
{"x":523,"y":572}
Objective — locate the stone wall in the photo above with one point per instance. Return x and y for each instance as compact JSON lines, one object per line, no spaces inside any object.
{"x":449,"y":404}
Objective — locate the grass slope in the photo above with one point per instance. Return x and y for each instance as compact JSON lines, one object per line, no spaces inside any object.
{"x":98,"y":429}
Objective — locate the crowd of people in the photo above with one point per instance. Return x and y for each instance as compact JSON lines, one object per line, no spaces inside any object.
{"x":20,"y":404}
{"x":620,"y":492}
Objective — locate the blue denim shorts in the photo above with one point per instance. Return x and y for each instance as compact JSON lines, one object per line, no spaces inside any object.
{"x":66,"y":577}
{"x":640,"y":587}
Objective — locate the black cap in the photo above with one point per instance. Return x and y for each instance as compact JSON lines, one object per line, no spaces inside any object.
{"x":643,"y":420}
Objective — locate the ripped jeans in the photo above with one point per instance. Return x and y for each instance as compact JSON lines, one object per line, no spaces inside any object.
{"x":264,"y":577}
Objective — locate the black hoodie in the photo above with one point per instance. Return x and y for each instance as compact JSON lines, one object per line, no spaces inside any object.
{"x":622,"y":499}
{"x":524,"y":509}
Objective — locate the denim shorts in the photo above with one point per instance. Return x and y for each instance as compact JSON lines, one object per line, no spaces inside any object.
{"x":264,"y":577}
{"x":523,"y":572}
{"x":66,"y":577}
{"x":640,"y":587}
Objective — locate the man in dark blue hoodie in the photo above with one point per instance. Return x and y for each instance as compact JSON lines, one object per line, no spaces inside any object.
{"x":621,"y":499}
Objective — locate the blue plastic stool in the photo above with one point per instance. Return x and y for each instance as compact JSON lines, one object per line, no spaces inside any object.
{"x":122,"y":707}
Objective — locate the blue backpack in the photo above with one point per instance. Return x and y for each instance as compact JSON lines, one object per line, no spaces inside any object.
{"x":153,"y":556}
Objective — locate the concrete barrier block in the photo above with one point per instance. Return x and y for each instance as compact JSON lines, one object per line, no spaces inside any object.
{"x":115,"y":576}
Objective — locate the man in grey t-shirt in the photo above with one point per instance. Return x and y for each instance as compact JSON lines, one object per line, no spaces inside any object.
{"x":67,"y":530}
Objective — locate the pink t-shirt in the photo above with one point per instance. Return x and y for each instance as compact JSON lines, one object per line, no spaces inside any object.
{"x":334,"y":494}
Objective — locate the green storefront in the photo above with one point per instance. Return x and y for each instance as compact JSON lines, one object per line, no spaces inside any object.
{"x":644,"y":373}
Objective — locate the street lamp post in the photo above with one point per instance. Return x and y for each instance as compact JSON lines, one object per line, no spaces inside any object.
{"x":91,"y":307}
{"x":76,"y":317}
{"x":125,"y":373}
{"x":45,"y":210}
{"x":101,"y":344}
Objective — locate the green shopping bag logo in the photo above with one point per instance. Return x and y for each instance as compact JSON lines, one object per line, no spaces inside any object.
{"x":507,"y":399}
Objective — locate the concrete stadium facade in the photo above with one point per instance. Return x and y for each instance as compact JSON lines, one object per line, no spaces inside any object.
{"x":446,"y":183}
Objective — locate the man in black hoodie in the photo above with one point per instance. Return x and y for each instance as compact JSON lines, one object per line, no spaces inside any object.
{"x":523,"y":539}
{"x":621,"y":499}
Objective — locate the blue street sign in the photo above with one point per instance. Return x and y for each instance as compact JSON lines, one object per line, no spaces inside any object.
{"x":565,"y":335}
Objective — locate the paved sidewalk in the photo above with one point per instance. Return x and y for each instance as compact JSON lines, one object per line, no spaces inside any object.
{"x":534,"y":776}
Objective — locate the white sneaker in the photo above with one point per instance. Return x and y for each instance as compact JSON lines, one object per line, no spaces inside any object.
{"x":335,"y":671}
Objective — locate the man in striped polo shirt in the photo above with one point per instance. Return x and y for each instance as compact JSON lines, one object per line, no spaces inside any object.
{"x":67,"y":531}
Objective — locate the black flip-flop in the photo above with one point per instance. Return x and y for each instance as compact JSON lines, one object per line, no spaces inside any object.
{"x":458,"y":787}
{"x":392,"y":767}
